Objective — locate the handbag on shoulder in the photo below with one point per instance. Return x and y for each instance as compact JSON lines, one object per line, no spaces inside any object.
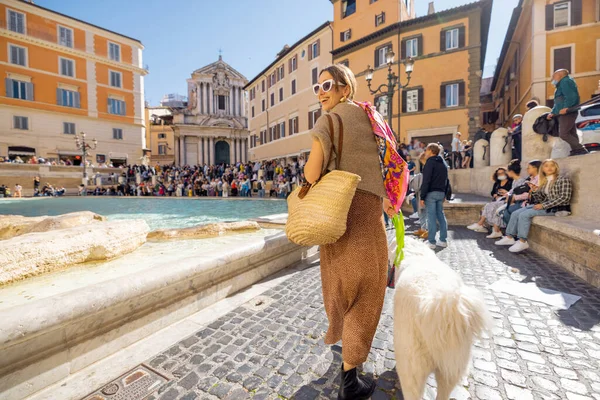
{"x":318,"y":213}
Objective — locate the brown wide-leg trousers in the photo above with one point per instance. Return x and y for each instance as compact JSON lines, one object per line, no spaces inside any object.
{"x":354,"y":277}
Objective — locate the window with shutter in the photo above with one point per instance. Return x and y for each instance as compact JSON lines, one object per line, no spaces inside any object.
{"x":562,"y":14}
{"x":252,"y":111}
{"x":117,"y":133}
{"x":68,"y":128}
{"x":18,"y":55}
{"x":412,"y":101}
{"x":280,"y":94}
{"x":315,"y":76}
{"x":115,"y":79}
{"x":21,"y":123}
{"x":562,"y":59}
{"x":263,"y":85}
{"x":380,"y":19}
{"x":452,"y":39}
{"x":452,"y":95}
{"x":295,"y":63}
{"x":263,"y":105}
{"x":16,"y":22}
{"x":65,"y":36}
{"x":421,"y":101}
{"x":114,"y":51}
{"x":381,"y":105}
{"x":461,"y":94}
{"x":412,"y":48}
{"x":293,"y":87}
{"x":380,"y":55}
{"x":272,"y":99}
{"x":18,"y":89}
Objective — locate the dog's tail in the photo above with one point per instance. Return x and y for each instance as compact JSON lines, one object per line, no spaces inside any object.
{"x":450,"y":323}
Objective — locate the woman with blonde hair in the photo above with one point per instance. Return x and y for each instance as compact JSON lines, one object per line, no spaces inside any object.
{"x":552,"y":196}
{"x":354,"y":269}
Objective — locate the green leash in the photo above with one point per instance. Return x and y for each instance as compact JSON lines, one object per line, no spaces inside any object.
{"x":398,"y":222}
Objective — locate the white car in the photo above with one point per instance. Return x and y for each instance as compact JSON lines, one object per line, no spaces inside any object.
{"x":588,"y":126}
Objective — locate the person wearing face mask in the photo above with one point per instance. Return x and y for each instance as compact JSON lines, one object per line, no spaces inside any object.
{"x":566,"y":97}
{"x":505,"y":178}
{"x":354,"y":269}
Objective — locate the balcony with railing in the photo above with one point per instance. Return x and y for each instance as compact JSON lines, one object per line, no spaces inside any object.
{"x":46,"y":34}
{"x":49,"y":34}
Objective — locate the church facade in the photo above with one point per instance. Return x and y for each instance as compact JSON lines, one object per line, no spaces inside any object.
{"x":213,"y":128}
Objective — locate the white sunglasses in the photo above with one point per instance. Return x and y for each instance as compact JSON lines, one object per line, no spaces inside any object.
{"x":326,"y":86}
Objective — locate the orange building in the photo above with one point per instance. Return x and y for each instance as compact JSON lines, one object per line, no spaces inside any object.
{"x":448,"y":49}
{"x":544,"y":36}
{"x":63,"y":76}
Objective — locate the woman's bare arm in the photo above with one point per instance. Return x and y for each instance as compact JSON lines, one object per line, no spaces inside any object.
{"x":314,"y":165}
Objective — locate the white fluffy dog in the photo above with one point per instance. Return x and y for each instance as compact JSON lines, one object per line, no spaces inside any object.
{"x":436,"y":320}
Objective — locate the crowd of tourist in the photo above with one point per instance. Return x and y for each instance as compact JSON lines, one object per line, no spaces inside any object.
{"x":259,"y":179}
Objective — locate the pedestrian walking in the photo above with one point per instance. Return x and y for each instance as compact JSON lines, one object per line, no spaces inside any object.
{"x":354,"y":269}
{"x":433,"y":195}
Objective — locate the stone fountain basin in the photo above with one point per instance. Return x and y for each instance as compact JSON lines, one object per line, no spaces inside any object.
{"x":56,"y":325}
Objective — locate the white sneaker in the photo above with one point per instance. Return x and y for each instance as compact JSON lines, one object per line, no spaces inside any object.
{"x":494,"y":235}
{"x":505,"y":241}
{"x":473,"y":226}
{"x":481,"y":229}
{"x":442,"y":244}
{"x":414,"y":216}
{"x":518,"y":247}
{"x":432,"y":246}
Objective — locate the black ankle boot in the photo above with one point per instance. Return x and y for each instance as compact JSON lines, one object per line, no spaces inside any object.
{"x":353,"y":387}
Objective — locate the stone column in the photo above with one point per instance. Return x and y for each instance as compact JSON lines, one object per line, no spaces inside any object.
{"x":240,"y":101}
{"x":177,"y":152}
{"x":210,"y":99}
{"x":241,"y":147}
{"x":211,"y":149}
{"x":206,"y":159}
{"x":200,"y":159}
{"x":182,"y":150}
{"x":201,"y":97}
{"x":231,"y":152}
{"x":198,"y":99}
{"x":230,"y":102}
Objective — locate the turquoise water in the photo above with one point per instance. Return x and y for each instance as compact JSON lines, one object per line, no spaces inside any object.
{"x":158,"y":213}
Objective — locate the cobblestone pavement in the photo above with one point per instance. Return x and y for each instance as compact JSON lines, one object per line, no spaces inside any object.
{"x":276,"y":350}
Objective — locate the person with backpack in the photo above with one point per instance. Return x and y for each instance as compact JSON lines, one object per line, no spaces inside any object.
{"x":566,"y":97}
{"x":260,"y":185}
{"x":433,"y":194}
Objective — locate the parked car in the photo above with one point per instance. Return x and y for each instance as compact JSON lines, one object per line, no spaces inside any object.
{"x":588,"y":126}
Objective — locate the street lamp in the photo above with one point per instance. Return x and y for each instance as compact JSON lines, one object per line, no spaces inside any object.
{"x":393,"y":81}
{"x":84,"y":147}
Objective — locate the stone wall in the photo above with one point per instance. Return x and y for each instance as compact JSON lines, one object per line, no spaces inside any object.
{"x":58,"y":176}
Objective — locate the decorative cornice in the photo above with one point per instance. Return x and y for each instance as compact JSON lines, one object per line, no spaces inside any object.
{"x":68,"y":50}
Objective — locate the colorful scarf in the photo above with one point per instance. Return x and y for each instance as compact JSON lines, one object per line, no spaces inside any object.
{"x":394,"y":169}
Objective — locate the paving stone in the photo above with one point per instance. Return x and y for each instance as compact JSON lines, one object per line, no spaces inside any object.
{"x":189,"y":396}
{"x":514,"y":378}
{"x":544,"y":384}
{"x":189,"y":381}
{"x":573,"y":386}
{"x":533,"y":352}
{"x":517,"y":393}
{"x":171,"y":394}
{"x":220,"y":390}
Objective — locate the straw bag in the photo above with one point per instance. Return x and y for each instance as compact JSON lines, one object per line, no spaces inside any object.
{"x":317,"y":213}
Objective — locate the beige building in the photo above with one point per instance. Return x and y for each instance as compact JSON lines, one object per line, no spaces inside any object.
{"x":282,"y":107}
{"x":213,"y":127}
{"x":160,"y":138}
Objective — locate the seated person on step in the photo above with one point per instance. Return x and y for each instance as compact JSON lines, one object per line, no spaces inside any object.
{"x":551,"y":197}
{"x":503,"y":183}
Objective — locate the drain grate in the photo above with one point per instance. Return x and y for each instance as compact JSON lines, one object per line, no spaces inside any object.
{"x":137,"y":384}
{"x":259,"y":303}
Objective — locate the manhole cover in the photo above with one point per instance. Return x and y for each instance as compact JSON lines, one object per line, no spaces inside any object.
{"x":136,"y":384}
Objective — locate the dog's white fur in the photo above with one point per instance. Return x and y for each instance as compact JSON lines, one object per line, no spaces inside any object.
{"x":436,"y":320}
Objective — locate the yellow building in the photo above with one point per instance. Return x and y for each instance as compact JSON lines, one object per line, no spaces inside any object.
{"x":282,"y":106}
{"x":448,"y":48}
{"x":160,"y":137}
{"x":62,"y":76}
{"x":543,"y":36}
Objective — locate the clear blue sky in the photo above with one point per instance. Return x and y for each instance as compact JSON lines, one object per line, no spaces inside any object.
{"x":183,"y":35}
